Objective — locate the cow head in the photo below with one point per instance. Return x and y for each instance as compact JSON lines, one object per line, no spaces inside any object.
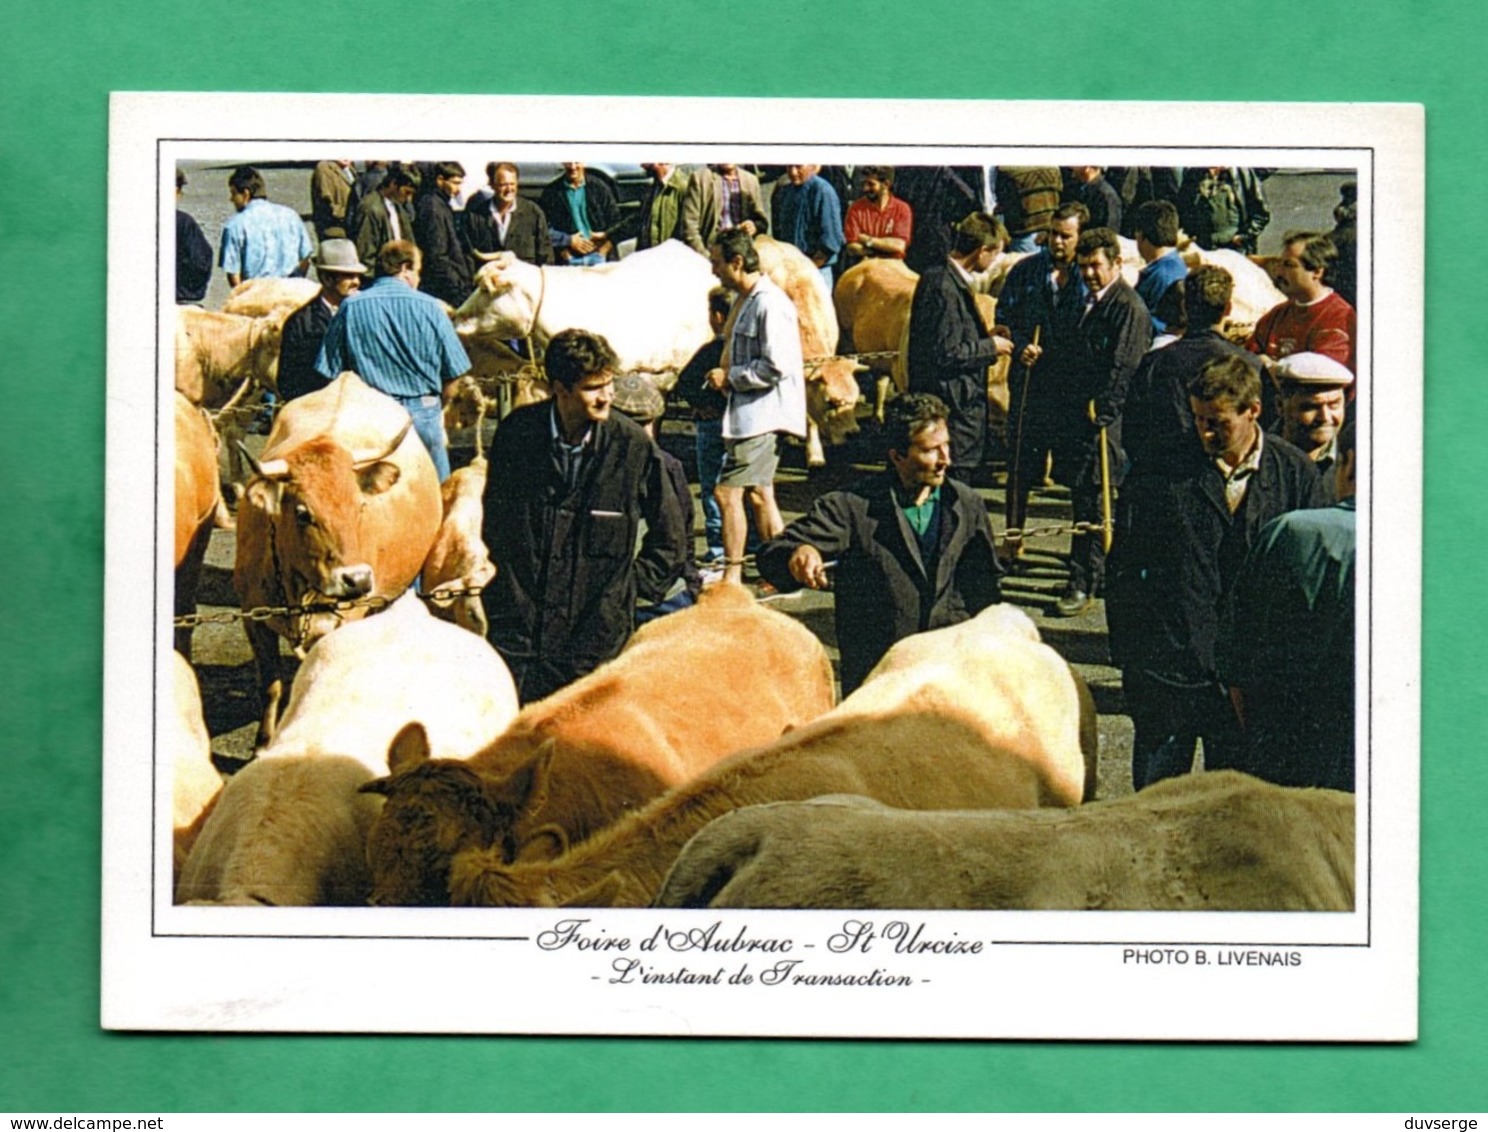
{"x":436,"y":809}
{"x":312,"y":499}
{"x":505,"y":300}
{"x":832,"y":395}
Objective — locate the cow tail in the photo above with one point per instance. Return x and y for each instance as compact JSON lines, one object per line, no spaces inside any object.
{"x":708,"y":864}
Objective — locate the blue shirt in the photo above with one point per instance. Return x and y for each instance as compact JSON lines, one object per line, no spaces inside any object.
{"x":394,"y":338}
{"x":1154,"y":280}
{"x":265,"y":239}
{"x":809,"y":215}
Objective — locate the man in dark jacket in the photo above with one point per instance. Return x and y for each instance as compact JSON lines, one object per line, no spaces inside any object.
{"x":1184,"y":537}
{"x":907,"y":551}
{"x":447,"y":269}
{"x":568,"y":487}
{"x":340,"y":274}
{"x":584,"y":219}
{"x":949,"y":346}
{"x":386,"y":214}
{"x":1223,"y":207}
{"x":193,"y":254}
{"x":499,"y":219}
{"x":1113,"y":335}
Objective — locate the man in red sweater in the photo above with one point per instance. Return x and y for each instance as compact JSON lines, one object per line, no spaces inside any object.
{"x":878,"y":224}
{"x":1315,"y":318}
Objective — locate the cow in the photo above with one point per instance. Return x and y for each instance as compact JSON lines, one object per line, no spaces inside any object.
{"x":873,"y":301}
{"x":270,"y":297}
{"x":652,"y":307}
{"x":831,"y":381}
{"x":980,"y":715}
{"x":361,"y":685}
{"x":292,"y":826}
{"x":221,"y":360}
{"x":460,"y":558}
{"x":195,"y":783}
{"x":344,"y":503}
{"x":687,"y":690}
{"x":1217,"y":842}
{"x":285,"y":831}
{"x":220,"y":357}
{"x":198,"y":505}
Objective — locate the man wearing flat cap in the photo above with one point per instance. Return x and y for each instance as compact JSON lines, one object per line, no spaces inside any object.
{"x":340,"y":271}
{"x":1312,"y":393}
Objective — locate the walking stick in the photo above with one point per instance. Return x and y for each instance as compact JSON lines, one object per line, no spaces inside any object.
{"x":1014,"y":510}
{"x":1105,"y":463}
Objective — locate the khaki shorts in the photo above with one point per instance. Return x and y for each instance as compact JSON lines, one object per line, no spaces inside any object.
{"x":750,"y":462}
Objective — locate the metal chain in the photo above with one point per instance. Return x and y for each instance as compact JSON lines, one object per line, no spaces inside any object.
{"x":1019,"y":534}
{"x":246,"y":412}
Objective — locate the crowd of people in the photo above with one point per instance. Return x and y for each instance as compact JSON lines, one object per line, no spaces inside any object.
{"x":1211,"y":481}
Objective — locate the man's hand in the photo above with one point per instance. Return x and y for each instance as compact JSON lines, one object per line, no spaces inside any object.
{"x":718,"y":379}
{"x":807,"y":567}
{"x":1004,"y":345}
{"x":1031,"y":354}
{"x":580,"y":244}
{"x":748,"y":226}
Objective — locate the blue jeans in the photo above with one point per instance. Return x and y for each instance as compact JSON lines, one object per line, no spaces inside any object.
{"x":428,"y":421}
{"x":709,"y":462}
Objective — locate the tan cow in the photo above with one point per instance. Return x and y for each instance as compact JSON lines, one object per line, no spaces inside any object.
{"x":344,"y":503}
{"x":220,"y":358}
{"x":195,"y":782}
{"x":687,"y":690}
{"x":198,"y":505}
{"x":271,"y":298}
{"x":873,"y":302}
{"x":1216,"y":842}
{"x":980,"y":715}
{"x":831,"y":381}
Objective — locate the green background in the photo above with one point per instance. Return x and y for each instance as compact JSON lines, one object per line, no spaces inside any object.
{"x":60,"y":62}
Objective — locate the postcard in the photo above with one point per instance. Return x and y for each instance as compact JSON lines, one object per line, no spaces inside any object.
{"x":975,"y":860}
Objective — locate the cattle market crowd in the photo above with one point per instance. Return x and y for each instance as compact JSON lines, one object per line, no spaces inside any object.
{"x":528,"y":677}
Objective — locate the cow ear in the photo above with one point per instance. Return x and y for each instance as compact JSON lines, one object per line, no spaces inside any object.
{"x":607,"y":893}
{"x":376,"y":478}
{"x":545,"y":843}
{"x":409,"y":748}
{"x":381,"y":786}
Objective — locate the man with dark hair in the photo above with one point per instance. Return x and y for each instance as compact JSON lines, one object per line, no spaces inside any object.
{"x":1223,"y":207}
{"x":400,"y":342}
{"x":720,"y":197}
{"x":806,"y":211}
{"x":764,"y":375}
{"x":708,"y":407}
{"x":263,"y":239}
{"x":193,"y":254}
{"x":1157,"y":243}
{"x":569,"y":486}
{"x":583,"y":217}
{"x":950,"y":347}
{"x":448,"y":273}
{"x":1315,"y":318}
{"x":1088,"y":185}
{"x":1042,"y":302}
{"x":500,"y":219}
{"x":340,"y":274}
{"x":386,"y":215}
{"x":1174,"y":563}
{"x":879,"y":225}
{"x":1157,"y":431}
{"x":1286,"y":648}
{"x":1112,"y":336}
{"x":905,"y":551}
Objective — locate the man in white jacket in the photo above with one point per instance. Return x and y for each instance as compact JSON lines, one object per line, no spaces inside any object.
{"x":763,"y":374}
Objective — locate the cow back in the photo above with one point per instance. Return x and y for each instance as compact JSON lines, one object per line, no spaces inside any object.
{"x":197,"y":490}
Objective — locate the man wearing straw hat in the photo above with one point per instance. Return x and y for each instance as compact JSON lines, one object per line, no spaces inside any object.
{"x":340,"y":272}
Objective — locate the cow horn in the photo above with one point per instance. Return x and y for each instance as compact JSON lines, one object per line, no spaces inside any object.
{"x":361,"y":461}
{"x":267,"y":469}
{"x":488,"y":257}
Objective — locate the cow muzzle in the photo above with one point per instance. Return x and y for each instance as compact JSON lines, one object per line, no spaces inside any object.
{"x":350,"y":581}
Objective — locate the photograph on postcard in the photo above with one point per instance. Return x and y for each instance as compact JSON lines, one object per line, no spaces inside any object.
{"x":727,"y":594}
